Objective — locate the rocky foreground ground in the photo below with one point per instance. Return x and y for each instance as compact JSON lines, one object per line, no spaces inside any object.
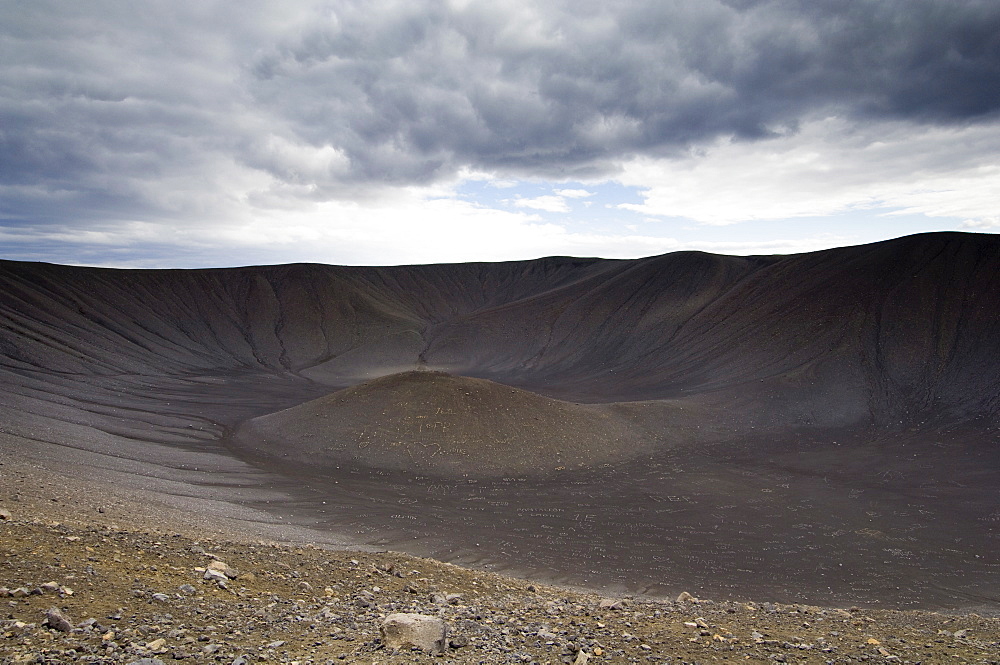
{"x":82,"y":583}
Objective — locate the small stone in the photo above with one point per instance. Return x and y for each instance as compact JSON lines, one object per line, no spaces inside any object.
{"x":50,"y":586}
{"x":458,"y":642}
{"x":225,"y":569}
{"x":156,"y":644}
{"x":276,"y":644}
{"x":581,"y":658}
{"x":215,"y":576}
{"x":5,"y":515}
{"x":612,"y":604}
{"x":187,"y":589}
{"x":405,"y":630}
{"x":146,"y":661}
{"x":161,"y":597}
{"x":54,"y":618}
{"x":685,"y":597}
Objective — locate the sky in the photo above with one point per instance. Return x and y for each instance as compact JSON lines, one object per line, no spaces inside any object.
{"x":183,"y":134}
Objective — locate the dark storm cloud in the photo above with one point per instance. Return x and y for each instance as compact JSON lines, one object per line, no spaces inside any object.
{"x":570,"y":87}
{"x":139,"y":110}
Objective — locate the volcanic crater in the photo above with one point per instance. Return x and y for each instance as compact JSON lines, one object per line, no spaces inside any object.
{"x":817,"y":427}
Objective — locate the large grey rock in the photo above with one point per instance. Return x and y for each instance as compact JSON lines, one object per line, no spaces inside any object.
{"x":54,"y":618}
{"x":404,"y":631}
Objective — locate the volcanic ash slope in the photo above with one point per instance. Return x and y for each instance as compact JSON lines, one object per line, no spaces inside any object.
{"x":437,"y":423}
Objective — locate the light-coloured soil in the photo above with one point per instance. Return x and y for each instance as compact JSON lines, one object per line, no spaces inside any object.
{"x":128,"y":572}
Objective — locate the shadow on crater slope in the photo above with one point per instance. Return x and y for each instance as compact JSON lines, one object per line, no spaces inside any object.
{"x":845,"y":401}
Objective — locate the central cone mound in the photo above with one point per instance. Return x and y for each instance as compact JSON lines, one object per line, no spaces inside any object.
{"x":436,"y":423}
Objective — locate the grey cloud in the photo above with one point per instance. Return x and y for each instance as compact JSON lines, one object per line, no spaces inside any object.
{"x":924,"y":60}
{"x":577,"y":87}
{"x":120,"y":107}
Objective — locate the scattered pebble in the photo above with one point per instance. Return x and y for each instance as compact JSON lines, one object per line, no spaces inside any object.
{"x":318,"y":607}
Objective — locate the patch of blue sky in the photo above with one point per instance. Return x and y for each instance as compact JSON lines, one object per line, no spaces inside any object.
{"x":543,"y":195}
{"x":587,"y":207}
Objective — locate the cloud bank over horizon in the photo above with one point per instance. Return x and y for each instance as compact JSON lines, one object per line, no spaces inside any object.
{"x":215,"y":133}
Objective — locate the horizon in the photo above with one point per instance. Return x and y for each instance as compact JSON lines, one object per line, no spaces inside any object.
{"x":500,"y":261}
